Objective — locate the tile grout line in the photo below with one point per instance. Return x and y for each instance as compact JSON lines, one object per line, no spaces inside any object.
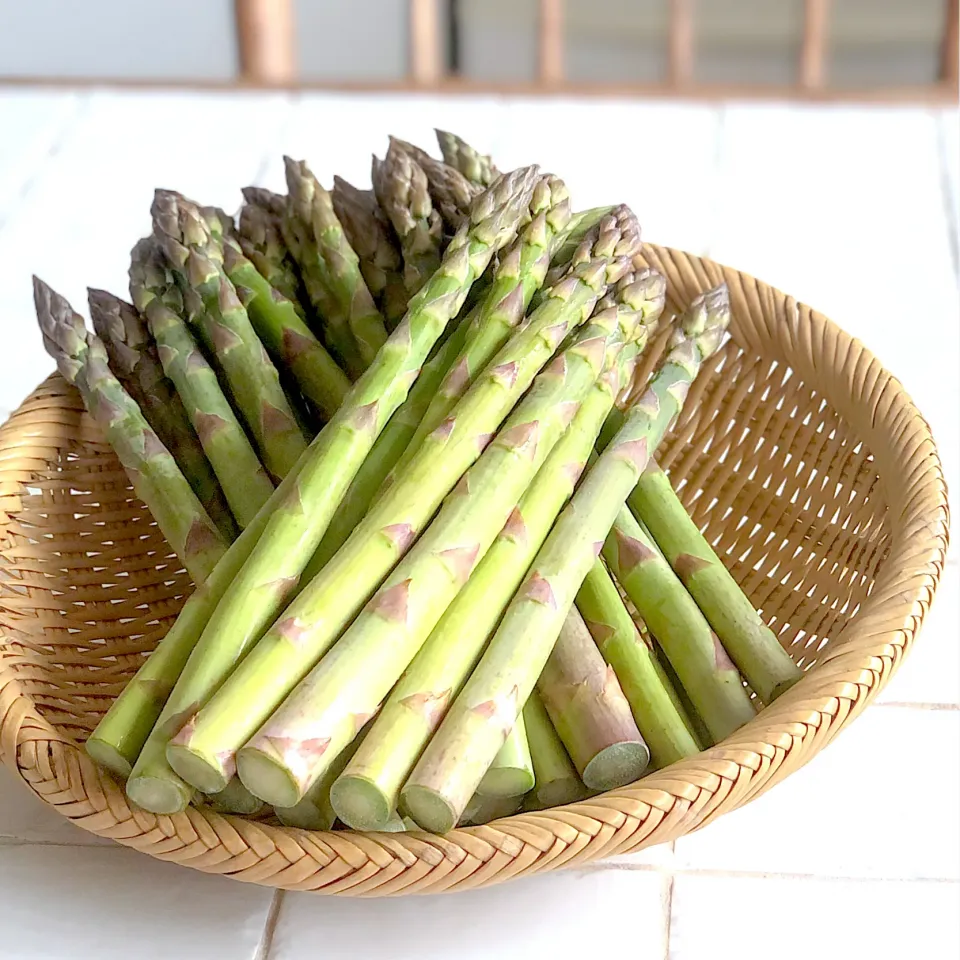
{"x":719,"y":157}
{"x":270,"y":926}
{"x":947,"y":195}
{"x":669,"y":881}
{"x":715,"y":872}
{"x":918,"y":705}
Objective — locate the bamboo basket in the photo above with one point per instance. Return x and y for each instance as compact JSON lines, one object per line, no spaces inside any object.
{"x":804,"y":460}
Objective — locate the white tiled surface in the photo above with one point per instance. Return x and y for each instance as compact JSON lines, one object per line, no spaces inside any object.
{"x":854,"y":211}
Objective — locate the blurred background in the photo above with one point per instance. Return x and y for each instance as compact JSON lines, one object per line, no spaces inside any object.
{"x":876,"y":48}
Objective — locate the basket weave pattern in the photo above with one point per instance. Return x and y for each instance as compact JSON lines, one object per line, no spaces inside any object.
{"x":810,"y":469}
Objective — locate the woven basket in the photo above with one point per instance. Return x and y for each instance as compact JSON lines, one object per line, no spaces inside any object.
{"x":804,"y":460}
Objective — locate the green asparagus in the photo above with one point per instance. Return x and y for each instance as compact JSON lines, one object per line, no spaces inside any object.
{"x":706,"y":672}
{"x":328,"y":603}
{"x":242,"y":477}
{"x":399,"y":618}
{"x":520,"y":273}
{"x":511,"y":773}
{"x":261,"y":240}
{"x":556,"y":779}
{"x":267,"y":560}
{"x":158,"y":481}
{"x":214,"y":309}
{"x":370,"y":787}
{"x":325,"y":252}
{"x":133,"y":357}
{"x":401,"y":189}
{"x":460,"y":155}
{"x":285,"y":335}
{"x":477,"y":724}
{"x":741,"y":631}
{"x":371,"y":236}
{"x":588,"y":709}
{"x":636,"y":667}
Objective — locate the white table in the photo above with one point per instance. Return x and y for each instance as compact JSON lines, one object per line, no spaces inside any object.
{"x":852,"y":210}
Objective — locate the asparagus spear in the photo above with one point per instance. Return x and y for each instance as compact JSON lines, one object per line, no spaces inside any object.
{"x":681,"y":699}
{"x":636,"y":667}
{"x":476,"y":167}
{"x":450,"y":191}
{"x":327,"y":253}
{"x":487,"y":326}
{"x":477,"y":724}
{"x":242,"y":477}
{"x":588,"y":709}
{"x":511,"y":773}
{"x":401,"y":189}
{"x":370,"y":786}
{"x":670,"y":613}
{"x":399,"y":618}
{"x":261,"y":240}
{"x":285,"y":335}
{"x":215,"y":310}
{"x":132,"y":354}
{"x":82,"y":361}
{"x":326,"y":606}
{"x":482,"y":809}
{"x":520,"y":273}
{"x":236,"y":798}
{"x":386,"y":451}
{"x":371,"y":236}
{"x":557,"y":780}
{"x":750,"y":642}
{"x":315,"y":811}
{"x":568,"y":240}
{"x":579,"y":225}
{"x":264,"y":564}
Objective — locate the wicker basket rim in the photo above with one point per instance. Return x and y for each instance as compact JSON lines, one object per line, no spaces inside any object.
{"x":665,"y":804}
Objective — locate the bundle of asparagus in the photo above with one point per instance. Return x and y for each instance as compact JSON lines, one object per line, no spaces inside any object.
{"x":428,"y":613}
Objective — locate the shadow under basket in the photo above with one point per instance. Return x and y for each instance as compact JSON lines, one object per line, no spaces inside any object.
{"x":804,"y":461}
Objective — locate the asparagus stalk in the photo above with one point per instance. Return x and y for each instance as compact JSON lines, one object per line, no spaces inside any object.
{"x":327,"y":253}
{"x":244,"y":481}
{"x":285,"y":335}
{"x":215,"y":310}
{"x":511,"y":773}
{"x":314,"y":811}
{"x":82,"y":361}
{"x":371,"y":236}
{"x":556,"y":779}
{"x":474,"y":729}
{"x":450,"y":191}
{"x":236,"y":798}
{"x":681,"y":698}
{"x":268,"y":558}
{"x":476,"y":167}
{"x":370,"y":786}
{"x":391,"y":443}
{"x":750,"y":642}
{"x":568,"y":240}
{"x":401,"y":615}
{"x":588,"y":709}
{"x":261,"y":240}
{"x":481,"y":810}
{"x":635,"y":664}
{"x":132,"y":354}
{"x":329,"y":602}
{"x":402,"y":191}
{"x":706,"y":672}
{"x":519,"y":275}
